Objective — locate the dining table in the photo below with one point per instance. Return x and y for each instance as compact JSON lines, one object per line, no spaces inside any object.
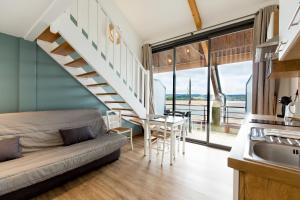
{"x":172,"y":122}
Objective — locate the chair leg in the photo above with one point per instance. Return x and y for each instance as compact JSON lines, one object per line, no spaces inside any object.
{"x":157,"y":146}
{"x":178,"y":141}
{"x":131,"y":140}
{"x":150,"y":146}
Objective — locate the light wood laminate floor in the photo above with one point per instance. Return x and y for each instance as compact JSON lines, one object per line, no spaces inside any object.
{"x":201,"y":174}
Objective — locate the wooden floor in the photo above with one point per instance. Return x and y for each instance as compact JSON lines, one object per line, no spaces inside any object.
{"x":201,"y":174}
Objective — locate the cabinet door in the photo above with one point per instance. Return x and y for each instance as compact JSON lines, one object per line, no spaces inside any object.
{"x":260,"y":188}
{"x":289,"y":27}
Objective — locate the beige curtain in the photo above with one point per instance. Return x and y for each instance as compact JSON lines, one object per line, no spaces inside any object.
{"x":265,"y":91}
{"x":148,"y":65}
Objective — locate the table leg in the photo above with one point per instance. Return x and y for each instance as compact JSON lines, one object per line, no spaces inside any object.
{"x":146,"y":138}
{"x":150,"y":144}
{"x":174,"y":143}
{"x":172,"y":146}
{"x":183,"y":137}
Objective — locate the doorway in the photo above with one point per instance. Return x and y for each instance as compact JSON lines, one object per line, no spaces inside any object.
{"x":208,"y":79}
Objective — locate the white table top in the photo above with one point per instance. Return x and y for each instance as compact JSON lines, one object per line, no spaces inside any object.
{"x":170,"y":119}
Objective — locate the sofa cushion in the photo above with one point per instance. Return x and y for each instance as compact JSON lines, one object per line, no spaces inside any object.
{"x":10,"y":149}
{"x":41,"y":165}
{"x":76,"y":135}
{"x":39,"y":130}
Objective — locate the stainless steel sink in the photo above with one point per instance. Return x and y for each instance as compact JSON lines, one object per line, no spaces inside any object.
{"x":273,"y":150}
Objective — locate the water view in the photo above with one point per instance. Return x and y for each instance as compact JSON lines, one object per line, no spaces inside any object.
{"x":191,"y":96}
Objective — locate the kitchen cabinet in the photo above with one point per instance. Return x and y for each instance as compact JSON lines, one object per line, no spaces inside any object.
{"x":261,"y":180}
{"x":257,"y":187}
{"x":289,"y":30}
{"x":285,"y":69}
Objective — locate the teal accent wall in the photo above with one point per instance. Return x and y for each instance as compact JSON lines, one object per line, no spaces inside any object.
{"x":30,"y":80}
{"x":9,"y":73}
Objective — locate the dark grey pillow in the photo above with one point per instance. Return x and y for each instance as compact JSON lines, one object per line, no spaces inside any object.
{"x":10,"y":149}
{"x":76,"y":135}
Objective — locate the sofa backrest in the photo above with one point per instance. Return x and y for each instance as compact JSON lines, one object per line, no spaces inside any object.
{"x":40,"y":130}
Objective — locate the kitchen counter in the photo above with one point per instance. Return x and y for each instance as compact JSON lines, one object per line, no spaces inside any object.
{"x":260,"y":177}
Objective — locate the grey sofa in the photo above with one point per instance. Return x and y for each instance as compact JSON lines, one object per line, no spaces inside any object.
{"x":46,"y":162}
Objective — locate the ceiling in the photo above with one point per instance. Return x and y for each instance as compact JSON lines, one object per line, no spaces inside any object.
{"x":17,"y":17}
{"x":156,"y":20}
{"x":230,"y":48}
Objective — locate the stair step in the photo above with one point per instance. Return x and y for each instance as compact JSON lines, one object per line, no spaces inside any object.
{"x":64,"y":49}
{"x":127,"y":115}
{"x":107,"y":94}
{"x":97,"y":85}
{"x":80,"y":62}
{"x":136,"y":121}
{"x":114,"y":102}
{"x":88,"y":75}
{"x":48,"y":36}
{"x":124,"y":109}
{"x":153,"y":139}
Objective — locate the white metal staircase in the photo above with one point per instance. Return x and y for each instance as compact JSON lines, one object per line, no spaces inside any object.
{"x":91,"y":48}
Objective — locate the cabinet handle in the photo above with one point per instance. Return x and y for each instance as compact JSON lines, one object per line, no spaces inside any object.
{"x":293,"y":23}
{"x":279,"y":47}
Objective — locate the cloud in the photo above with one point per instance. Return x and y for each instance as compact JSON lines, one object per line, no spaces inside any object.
{"x":233,"y":78}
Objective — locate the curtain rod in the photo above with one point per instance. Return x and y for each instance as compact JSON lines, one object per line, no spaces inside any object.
{"x":206,"y":28}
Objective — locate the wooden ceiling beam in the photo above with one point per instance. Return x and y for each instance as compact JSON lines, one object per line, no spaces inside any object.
{"x":195,"y":13}
{"x":198,"y":24}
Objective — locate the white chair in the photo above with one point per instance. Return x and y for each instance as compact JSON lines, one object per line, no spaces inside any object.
{"x":114,"y":124}
{"x":182,"y":129}
{"x":162,"y":133}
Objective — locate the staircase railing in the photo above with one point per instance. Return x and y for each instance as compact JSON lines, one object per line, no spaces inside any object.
{"x":106,"y":38}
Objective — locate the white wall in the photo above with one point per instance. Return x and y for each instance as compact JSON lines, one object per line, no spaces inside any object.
{"x":288,"y":86}
{"x":132,"y":39}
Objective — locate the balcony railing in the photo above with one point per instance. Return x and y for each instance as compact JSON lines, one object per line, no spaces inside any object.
{"x":230,"y":115}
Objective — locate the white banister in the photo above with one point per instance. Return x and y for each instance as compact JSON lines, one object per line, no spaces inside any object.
{"x":138,"y":81}
{"x":106,"y":38}
{"x":123,"y":61}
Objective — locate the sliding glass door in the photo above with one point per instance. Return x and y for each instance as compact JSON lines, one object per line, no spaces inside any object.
{"x":191,"y":87}
{"x":163,"y":73}
{"x":230,"y":69}
{"x":207,"y":80}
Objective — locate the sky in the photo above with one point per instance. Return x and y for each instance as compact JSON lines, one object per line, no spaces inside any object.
{"x":233,"y":78}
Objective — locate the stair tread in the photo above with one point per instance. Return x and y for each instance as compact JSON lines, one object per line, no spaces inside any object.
{"x":109,"y":93}
{"x":127,"y":115}
{"x":87,"y":75}
{"x":80,"y":62}
{"x":64,"y":49}
{"x":114,"y":101}
{"x":48,"y":36}
{"x":97,"y":84}
{"x":125,"y":109}
{"x":137,"y":121}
